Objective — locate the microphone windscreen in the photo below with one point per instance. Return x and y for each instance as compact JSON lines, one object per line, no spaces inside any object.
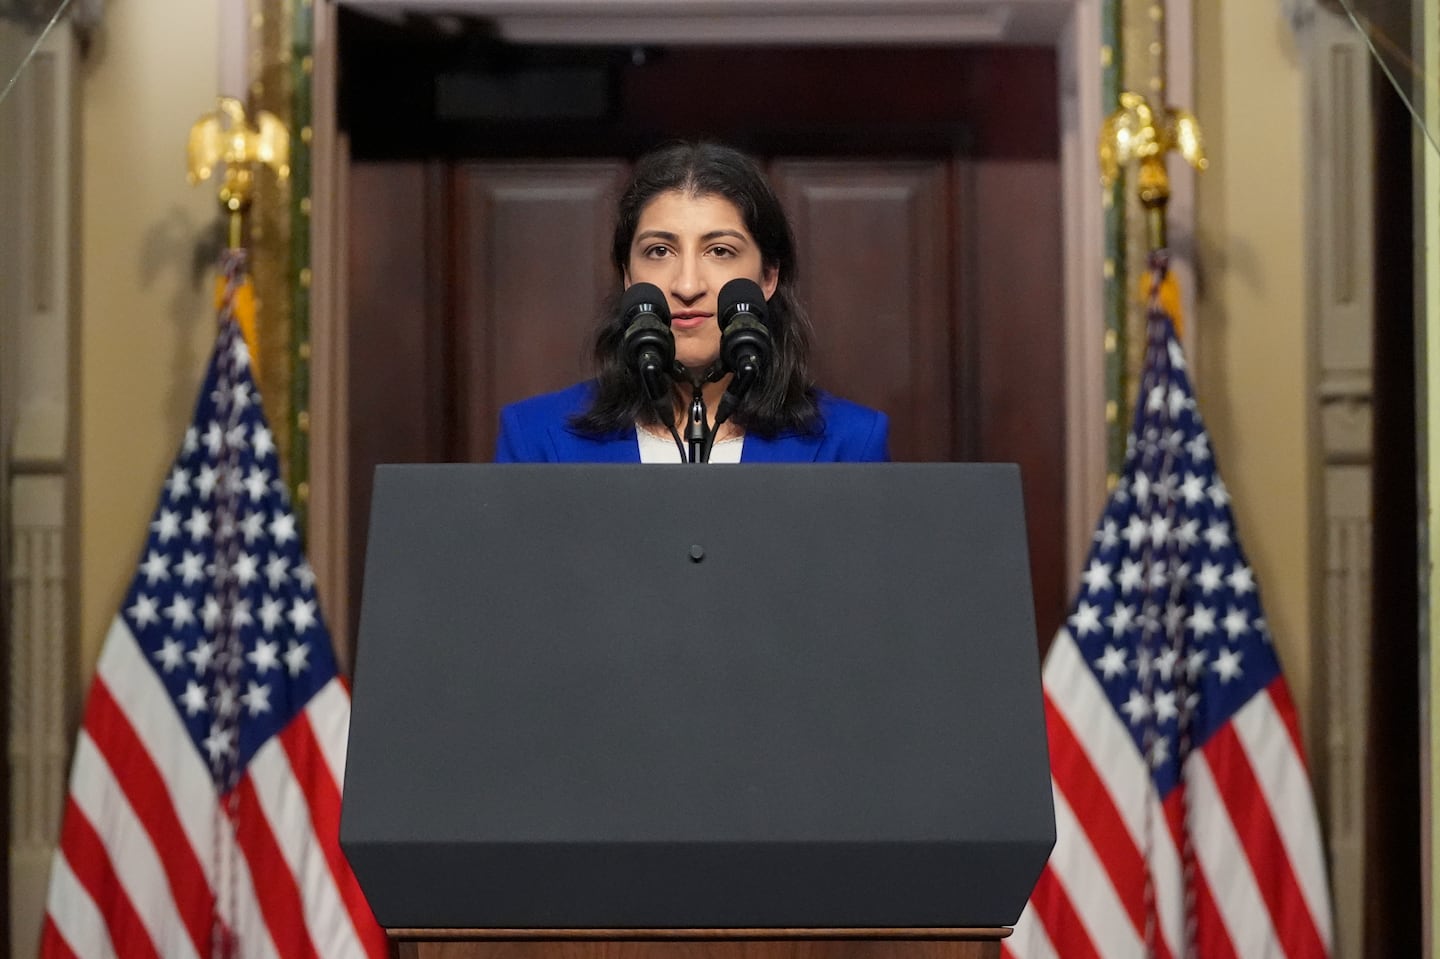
{"x":644,"y":298}
{"x":740,"y":295}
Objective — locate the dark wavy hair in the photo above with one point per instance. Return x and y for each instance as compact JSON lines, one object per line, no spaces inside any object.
{"x":784,"y":400}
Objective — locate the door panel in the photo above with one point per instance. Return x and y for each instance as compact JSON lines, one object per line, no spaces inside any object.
{"x":1013,"y":350}
{"x":532,"y":242}
{"x":873,"y":243}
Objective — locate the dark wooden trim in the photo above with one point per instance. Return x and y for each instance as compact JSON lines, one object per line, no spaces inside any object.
{"x":965,"y":933}
{"x":1393,"y":900}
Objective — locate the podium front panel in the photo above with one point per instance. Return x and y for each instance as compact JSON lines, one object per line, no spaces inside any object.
{"x":654,"y":696}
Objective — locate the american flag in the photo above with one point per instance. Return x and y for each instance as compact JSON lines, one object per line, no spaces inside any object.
{"x":203,"y":813}
{"x":1185,"y":822}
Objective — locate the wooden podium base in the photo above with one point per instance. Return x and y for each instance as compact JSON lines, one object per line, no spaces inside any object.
{"x":699,"y":943}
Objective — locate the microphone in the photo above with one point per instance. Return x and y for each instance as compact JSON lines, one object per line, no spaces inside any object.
{"x":648,"y":345}
{"x":745,"y":343}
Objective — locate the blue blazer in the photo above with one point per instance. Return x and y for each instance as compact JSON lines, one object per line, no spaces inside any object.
{"x":538,"y":430}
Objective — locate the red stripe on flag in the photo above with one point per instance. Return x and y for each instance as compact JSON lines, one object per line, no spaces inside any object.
{"x":1061,"y":921}
{"x":138,"y":776}
{"x":1279,"y":692}
{"x":323,"y":796}
{"x":1210,"y":934}
{"x":93,"y":870}
{"x":1095,"y":808}
{"x":275,"y":886}
{"x":1255,"y":828}
{"x":52,"y":944}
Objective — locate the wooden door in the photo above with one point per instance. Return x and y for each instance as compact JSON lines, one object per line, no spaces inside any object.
{"x":932,"y":283}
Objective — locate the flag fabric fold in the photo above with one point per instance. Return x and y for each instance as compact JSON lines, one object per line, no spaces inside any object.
{"x":1185,"y":821}
{"x":203,"y":812}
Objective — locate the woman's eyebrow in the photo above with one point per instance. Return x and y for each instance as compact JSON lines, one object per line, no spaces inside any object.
{"x":669,"y":237}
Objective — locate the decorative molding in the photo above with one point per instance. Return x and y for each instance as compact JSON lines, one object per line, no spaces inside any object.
{"x":1341,"y":286}
{"x":328,"y":542}
{"x":39,"y":664}
{"x":1081,"y":113}
{"x":35,"y":464}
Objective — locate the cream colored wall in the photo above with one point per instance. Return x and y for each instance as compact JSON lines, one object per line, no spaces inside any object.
{"x":146,"y":319}
{"x":1254,"y":355}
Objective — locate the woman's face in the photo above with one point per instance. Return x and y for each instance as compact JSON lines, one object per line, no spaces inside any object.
{"x":689,"y":246}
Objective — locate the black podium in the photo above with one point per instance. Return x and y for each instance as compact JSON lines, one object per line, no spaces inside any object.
{"x":766,"y":710}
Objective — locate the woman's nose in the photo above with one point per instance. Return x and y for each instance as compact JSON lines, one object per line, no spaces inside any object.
{"x":689,"y":281}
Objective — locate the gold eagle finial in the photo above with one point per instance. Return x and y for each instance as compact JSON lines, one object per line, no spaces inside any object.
{"x":1142,"y":134}
{"x":226,"y":136}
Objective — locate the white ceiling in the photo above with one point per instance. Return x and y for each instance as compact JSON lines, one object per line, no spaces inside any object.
{"x":751,"y":21}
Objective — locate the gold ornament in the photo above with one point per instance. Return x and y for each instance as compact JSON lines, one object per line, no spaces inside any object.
{"x":227,"y":136}
{"x":1142,"y":134}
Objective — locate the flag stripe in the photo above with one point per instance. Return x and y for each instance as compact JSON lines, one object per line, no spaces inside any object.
{"x":240,"y":909}
{"x":279,"y":897}
{"x":137,"y":692}
{"x":289,"y":815}
{"x":1062,"y":922}
{"x":145,"y":791}
{"x":1212,"y":939}
{"x":329,"y":713}
{"x":1221,"y":859}
{"x":52,"y":944}
{"x":1073,"y":694}
{"x":1285,"y":710}
{"x":1279,"y":766}
{"x":98,"y":797}
{"x":304,"y":755}
{"x":79,"y":927}
{"x":1028,"y":939}
{"x":1088,"y":888}
{"x":139,"y":695}
{"x":95,"y":872}
{"x":1261,"y":842}
{"x":1076,"y":778}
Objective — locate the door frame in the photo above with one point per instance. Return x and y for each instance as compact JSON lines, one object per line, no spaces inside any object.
{"x":1071,"y":27}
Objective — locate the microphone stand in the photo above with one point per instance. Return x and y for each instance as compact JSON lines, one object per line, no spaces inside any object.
{"x":698,"y":432}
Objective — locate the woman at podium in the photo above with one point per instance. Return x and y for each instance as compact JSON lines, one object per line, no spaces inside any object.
{"x":704,"y":356}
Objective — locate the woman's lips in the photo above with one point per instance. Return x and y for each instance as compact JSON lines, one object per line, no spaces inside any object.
{"x":688,"y":321}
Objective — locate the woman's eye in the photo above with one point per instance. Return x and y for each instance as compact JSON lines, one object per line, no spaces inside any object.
{"x":722,"y":252}
{"x":657,"y":251}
